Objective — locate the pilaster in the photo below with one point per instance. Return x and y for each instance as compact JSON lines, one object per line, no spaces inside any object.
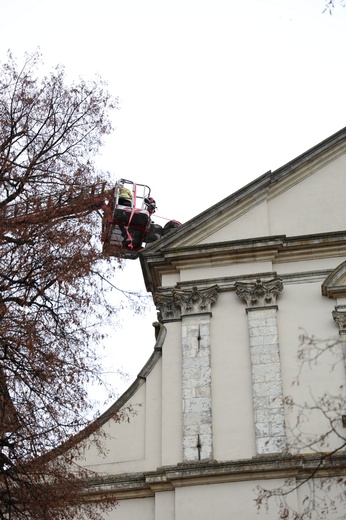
{"x":193,"y":308}
{"x":260,"y":297}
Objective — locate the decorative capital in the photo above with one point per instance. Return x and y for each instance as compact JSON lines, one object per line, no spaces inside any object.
{"x":258,"y":293}
{"x":196,"y":300}
{"x":339,"y":316}
{"x":168,"y":311}
{"x":172,"y":306}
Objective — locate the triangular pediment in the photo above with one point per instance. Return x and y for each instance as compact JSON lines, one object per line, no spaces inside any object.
{"x":311,"y":189}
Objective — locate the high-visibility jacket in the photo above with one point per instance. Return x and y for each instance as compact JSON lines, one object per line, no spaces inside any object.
{"x":125,"y":193}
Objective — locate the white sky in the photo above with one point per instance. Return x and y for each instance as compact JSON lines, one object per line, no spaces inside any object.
{"x":213,"y":94}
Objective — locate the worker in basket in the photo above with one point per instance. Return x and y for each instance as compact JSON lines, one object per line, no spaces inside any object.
{"x":125,"y":196}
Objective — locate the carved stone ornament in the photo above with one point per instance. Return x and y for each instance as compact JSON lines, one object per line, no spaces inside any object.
{"x":195,"y":301}
{"x":258,"y":293}
{"x":339,"y":316}
{"x":167,"y":309}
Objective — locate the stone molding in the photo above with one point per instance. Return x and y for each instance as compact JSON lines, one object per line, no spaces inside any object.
{"x":274,"y":249}
{"x":259,"y":293}
{"x":185,"y":302}
{"x":192,"y":473}
{"x":334,"y":286}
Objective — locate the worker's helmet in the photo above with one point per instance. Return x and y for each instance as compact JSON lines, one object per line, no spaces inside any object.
{"x":151,"y":204}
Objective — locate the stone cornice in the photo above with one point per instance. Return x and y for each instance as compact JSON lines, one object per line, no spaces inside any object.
{"x":279,"y":248}
{"x":275,"y":249}
{"x":228,"y":283}
{"x":263,"y":467}
{"x":308,"y":163}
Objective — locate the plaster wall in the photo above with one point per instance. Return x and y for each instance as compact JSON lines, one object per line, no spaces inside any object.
{"x":153,"y":447}
{"x":169,"y":280}
{"x":250,"y":224}
{"x":223,"y":501}
{"x":306,"y":266}
{"x":143,"y":508}
{"x":124,"y":441}
{"x":303,"y":310}
{"x":234,"y":268}
{"x":171,"y":395}
{"x":307,"y":203}
{"x":165,"y":505}
{"x":133,"y":443}
{"x":233,"y":425}
{"x":216,"y":501}
{"x":315,"y":205}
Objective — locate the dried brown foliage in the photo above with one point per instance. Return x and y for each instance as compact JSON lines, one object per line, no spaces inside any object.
{"x":51,"y":297}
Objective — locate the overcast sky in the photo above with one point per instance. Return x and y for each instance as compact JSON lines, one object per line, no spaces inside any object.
{"x":213,"y":93}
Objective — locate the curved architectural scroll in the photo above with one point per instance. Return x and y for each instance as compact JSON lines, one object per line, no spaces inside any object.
{"x":334,"y":286}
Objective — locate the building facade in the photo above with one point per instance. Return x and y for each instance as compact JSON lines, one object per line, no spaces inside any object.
{"x":243,"y":393}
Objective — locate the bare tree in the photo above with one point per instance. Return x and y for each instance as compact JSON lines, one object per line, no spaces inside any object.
{"x":330,"y":5}
{"x":52,"y":297}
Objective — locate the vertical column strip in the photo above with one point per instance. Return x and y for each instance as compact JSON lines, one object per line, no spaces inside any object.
{"x":196,"y":381}
{"x":265,"y":363}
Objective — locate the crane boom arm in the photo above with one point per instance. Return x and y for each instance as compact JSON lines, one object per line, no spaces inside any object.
{"x":65,"y":204}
